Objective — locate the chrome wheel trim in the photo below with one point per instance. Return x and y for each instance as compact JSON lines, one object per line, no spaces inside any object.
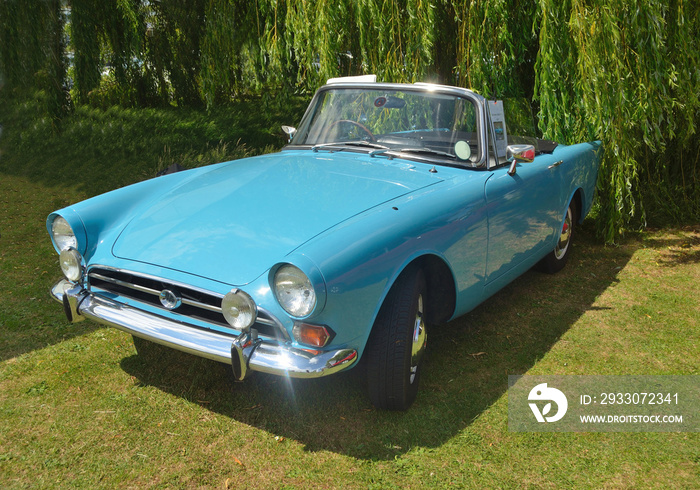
{"x":565,"y":237}
{"x":418,"y":340}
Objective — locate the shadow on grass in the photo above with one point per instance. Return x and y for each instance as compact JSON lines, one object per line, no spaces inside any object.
{"x":677,"y":247}
{"x":465,"y":372}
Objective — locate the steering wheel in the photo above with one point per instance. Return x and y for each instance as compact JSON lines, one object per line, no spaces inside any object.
{"x":355,"y":123}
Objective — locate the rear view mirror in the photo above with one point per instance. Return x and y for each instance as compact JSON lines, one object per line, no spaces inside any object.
{"x":519,"y":153}
{"x":390,"y":102}
{"x":289,"y":131}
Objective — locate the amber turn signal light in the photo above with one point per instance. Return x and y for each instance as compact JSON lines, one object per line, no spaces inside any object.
{"x":315,"y":335}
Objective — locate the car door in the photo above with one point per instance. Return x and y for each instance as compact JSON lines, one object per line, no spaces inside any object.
{"x":523,"y":213}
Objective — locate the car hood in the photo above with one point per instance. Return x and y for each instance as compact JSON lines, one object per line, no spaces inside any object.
{"x":233,"y":222}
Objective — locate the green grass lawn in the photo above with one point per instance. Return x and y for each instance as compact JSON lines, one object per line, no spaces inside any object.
{"x":79,"y":408}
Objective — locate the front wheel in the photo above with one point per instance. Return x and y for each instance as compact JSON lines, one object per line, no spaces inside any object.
{"x":557,"y":258}
{"x":397,"y":344}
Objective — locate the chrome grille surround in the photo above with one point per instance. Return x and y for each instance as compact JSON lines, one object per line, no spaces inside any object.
{"x":196,"y":303}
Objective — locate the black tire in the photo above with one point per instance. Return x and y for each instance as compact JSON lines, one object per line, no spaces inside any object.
{"x":393,"y":357}
{"x":557,"y":258}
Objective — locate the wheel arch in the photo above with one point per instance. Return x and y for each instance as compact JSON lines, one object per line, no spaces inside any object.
{"x":577,"y":199}
{"x":391,"y":359}
{"x":442,"y":293}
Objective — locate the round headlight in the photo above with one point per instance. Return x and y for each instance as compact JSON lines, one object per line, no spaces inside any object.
{"x":63,"y":235}
{"x":71,"y":264}
{"x":294,"y":291}
{"x":239,"y":309}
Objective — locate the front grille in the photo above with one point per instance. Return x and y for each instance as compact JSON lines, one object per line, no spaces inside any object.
{"x":197,"y":304}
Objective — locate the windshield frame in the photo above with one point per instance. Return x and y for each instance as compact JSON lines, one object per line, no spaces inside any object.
{"x":477,"y":101}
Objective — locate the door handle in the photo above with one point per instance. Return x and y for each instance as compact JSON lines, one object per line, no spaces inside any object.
{"x":556,"y":164}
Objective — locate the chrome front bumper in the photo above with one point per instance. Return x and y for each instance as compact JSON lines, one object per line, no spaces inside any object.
{"x":245,"y":353}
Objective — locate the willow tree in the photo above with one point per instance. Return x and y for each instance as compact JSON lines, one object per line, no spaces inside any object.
{"x":22,"y":42}
{"x":627,"y":74}
{"x":175,"y":45}
{"x":496,"y":46}
{"x":85,"y":39}
{"x":298,"y":44}
{"x":396,"y":38}
{"x":324,"y":39}
{"x":226,"y":34}
{"x":32,"y":52}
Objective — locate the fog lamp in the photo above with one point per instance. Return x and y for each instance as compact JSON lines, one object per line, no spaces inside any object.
{"x":71,"y":264}
{"x":239,"y":309}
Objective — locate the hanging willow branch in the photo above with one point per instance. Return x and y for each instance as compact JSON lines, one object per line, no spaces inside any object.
{"x":396,"y":38}
{"x":622,"y":72}
{"x":610,"y":71}
{"x":496,"y":46}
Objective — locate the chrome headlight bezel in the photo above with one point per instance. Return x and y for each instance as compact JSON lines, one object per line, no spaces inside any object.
{"x":62,"y":234}
{"x":67,"y":231}
{"x":239,"y":310}
{"x":294,"y":291}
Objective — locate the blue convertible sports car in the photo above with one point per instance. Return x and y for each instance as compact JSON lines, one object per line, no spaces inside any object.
{"x":394,"y":207}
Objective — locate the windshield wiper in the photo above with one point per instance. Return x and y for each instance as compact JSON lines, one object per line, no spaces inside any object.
{"x":341,"y":145}
{"x":331,"y":146}
{"x":427,"y":150}
{"x":366,"y":143}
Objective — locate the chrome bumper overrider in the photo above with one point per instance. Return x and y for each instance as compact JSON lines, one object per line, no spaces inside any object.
{"x":245,"y":353}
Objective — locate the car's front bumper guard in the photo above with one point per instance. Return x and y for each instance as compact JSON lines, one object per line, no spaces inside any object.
{"x":245,"y":353}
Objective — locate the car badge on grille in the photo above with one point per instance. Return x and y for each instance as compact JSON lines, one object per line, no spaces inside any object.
{"x":169,"y":299}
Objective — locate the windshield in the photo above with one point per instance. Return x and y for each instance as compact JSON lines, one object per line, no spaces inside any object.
{"x":416,"y":124}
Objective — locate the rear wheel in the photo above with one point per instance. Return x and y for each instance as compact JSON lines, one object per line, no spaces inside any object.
{"x":557,"y":258}
{"x":396,"y":346}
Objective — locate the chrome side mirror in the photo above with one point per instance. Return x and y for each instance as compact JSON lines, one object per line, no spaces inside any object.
{"x":290,"y":131}
{"x":519,"y":153}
